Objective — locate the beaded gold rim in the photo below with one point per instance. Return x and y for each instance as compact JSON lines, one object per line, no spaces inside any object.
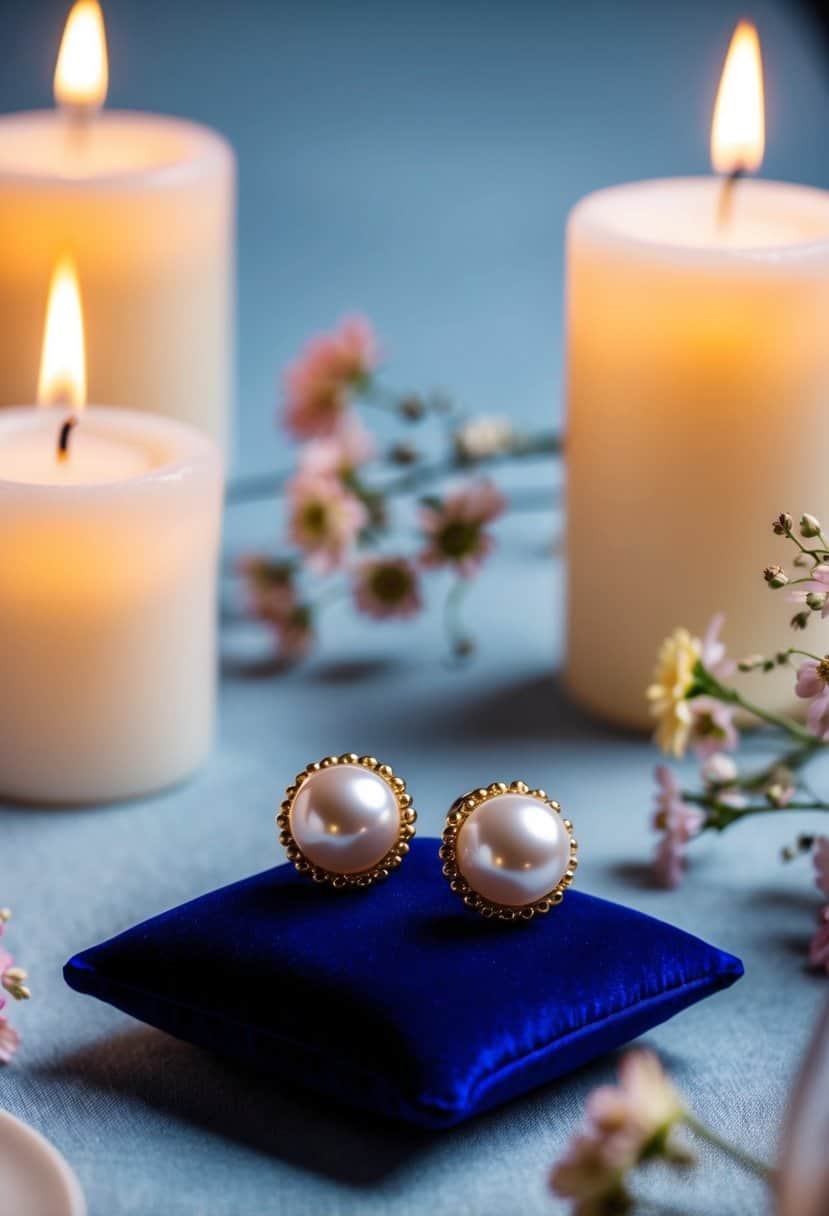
{"x":377,"y":872}
{"x":459,"y":812}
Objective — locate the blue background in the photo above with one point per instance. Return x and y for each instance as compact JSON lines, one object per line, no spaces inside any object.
{"x":416,"y":162}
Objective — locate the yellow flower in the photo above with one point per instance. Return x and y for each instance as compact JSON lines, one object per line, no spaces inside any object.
{"x":672,"y":681}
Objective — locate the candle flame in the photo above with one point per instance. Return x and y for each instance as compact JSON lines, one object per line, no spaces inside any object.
{"x":738,"y":132}
{"x":82,"y":70}
{"x":62,"y":379}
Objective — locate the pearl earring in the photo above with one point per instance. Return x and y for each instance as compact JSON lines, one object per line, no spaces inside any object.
{"x":347,"y":820}
{"x":507,"y":851}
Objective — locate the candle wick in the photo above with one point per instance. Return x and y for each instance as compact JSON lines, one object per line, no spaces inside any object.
{"x":64,"y":436}
{"x":727,"y":195}
{"x":77,"y":119}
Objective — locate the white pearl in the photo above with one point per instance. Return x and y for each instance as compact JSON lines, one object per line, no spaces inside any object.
{"x":513,"y":849}
{"x":345,"y":818}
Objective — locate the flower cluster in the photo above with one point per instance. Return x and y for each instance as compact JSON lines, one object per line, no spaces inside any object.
{"x":13,"y":982}
{"x":338,"y":498}
{"x":626,"y":1126}
{"x":694,"y":705}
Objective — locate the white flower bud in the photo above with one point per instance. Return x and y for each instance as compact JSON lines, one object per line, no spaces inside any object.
{"x":775,"y":576}
{"x":719,"y":769}
{"x":751,"y":662}
{"x":483,"y":437}
{"x":809,"y":526}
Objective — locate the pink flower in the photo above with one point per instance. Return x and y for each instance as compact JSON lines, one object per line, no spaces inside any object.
{"x":818,"y":584}
{"x":318,"y":382}
{"x":294,"y":629}
{"x":813,"y":683}
{"x":732,"y":798}
{"x":677,"y":822}
{"x":387,"y":587}
{"x":325,"y":520}
{"x":819,"y":945}
{"x":9,"y":1040}
{"x":592,"y":1172}
{"x":454,"y":527}
{"x":339,"y":454}
{"x":272,"y":599}
{"x":820,"y":856}
{"x":645,"y":1101}
{"x":719,"y":770}
{"x":269,"y":586}
{"x":713,"y":654}
{"x":712,"y":727}
{"x":625,"y":1124}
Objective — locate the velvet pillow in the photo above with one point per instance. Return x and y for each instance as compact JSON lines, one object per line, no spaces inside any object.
{"x":398,"y":999}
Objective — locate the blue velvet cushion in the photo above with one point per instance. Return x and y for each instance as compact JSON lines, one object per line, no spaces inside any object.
{"x":398,"y":999}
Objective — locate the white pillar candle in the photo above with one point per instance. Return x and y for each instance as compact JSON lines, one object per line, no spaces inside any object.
{"x":145,"y":205}
{"x":697,"y":391}
{"x":108,"y":567}
{"x":109,"y":543}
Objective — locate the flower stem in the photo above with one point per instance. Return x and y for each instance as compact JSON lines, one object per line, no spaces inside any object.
{"x":459,"y":641}
{"x":724,"y":815}
{"x":753,"y":1164}
{"x":707,"y":683}
{"x":268,"y":485}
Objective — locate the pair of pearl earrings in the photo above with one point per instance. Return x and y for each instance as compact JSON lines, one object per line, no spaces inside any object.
{"x":506,"y":851}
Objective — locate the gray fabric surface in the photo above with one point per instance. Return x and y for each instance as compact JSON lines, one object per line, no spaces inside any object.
{"x":153,"y":1125}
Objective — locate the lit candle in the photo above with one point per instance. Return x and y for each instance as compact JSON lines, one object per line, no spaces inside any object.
{"x":697,"y":387}
{"x":145,"y":205}
{"x":108,"y":556}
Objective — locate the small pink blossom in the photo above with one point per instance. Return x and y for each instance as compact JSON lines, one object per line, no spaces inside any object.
{"x":677,"y":822}
{"x":818,"y":584}
{"x":625,"y":1124}
{"x":318,"y":382}
{"x":455,"y":527}
{"x":272,"y":598}
{"x":819,"y":945}
{"x":820,"y":856}
{"x":269,"y":586}
{"x":325,"y":520}
{"x":733,"y":798}
{"x":9,"y":1040}
{"x":295,"y":632}
{"x":712,"y":727}
{"x":386,"y":587}
{"x":812,"y":677}
{"x":592,"y":1172}
{"x":719,"y":770}
{"x":713,"y":653}
{"x":781,"y":791}
{"x":644,"y":1100}
{"x":12,"y":980}
{"x":339,"y":454}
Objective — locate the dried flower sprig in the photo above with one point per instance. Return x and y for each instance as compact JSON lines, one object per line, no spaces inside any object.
{"x":628,"y":1125}
{"x":13,"y":981}
{"x":695,"y":708}
{"x":339,"y":497}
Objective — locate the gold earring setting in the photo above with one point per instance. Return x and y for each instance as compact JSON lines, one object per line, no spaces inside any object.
{"x":508,"y":852}
{"x":347,"y":820}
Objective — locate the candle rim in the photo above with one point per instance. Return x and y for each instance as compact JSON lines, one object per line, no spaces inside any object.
{"x":193,"y":453}
{"x":768,"y":256}
{"x":208,"y":151}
